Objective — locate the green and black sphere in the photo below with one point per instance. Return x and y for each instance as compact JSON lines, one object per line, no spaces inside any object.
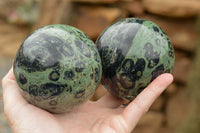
{"x":57,"y":67}
{"x":133,"y":52}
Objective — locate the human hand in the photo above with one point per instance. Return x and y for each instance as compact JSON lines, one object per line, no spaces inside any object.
{"x":102,"y":116}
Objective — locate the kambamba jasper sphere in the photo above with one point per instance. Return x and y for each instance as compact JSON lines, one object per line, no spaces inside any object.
{"x":133,"y":52}
{"x":57,"y":67}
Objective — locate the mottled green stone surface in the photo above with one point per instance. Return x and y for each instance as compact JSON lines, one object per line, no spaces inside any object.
{"x":133,"y":53}
{"x":57,"y":67}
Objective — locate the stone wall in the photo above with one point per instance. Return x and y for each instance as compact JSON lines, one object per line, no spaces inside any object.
{"x":178,"y":18}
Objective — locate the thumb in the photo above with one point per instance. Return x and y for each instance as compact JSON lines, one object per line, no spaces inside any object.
{"x":11,"y":93}
{"x":140,"y":105}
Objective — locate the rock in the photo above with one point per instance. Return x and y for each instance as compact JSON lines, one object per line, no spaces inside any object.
{"x":158,"y":104}
{"x":11,"y":45}
{"x":173,"y":8}
{"x":163,"y":129}
{"x":181,"y":67}
{"x":48,"y":13}
{"x":134,"y":7}
{"x":7,"y":6}
{"x":94,"y":19}
{"x":149,"y":123}
{"x":171,"y":89}
{"x":184,"y":40}
{"x":177,"y":109}
{"x":99,"y":1}
{"x":11,"y":38}
{"x":26,"y":13}
{"x":192,"y":121}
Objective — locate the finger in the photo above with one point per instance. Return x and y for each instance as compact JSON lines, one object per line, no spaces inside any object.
{"x":11,"y":94}
{"x":109,"y":101}
{"x":145,"y":99}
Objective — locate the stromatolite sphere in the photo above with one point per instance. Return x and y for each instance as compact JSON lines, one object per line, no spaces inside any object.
{"x":57,"y":67}
{"x":133,"y":53}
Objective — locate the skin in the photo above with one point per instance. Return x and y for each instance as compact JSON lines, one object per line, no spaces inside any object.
{"x":103,"y":116}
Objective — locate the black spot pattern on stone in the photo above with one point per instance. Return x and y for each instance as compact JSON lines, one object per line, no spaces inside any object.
{"x":163,"y":32}
{"x":140,"y":89}
{"x":138,"y":69}
{"x":79,"y":66}
{"x":171,"y":51}
{"x":22,"y":79}
{"x":79,"y":94}
{"x":108,"y":67}
{"x":168,"y":71}
{"x":33,"y":90}
{"x":53,"y":102}
{"x":54,"y":75}
{"x":151,"y":56}
{"x":159,"y":70}
{"x":140,"y":21}
{"x":104,"y":55}
{"x":96,"y":57}
{"x":131,"y":72}
{"x":81,"y":35}
{"x":140,"y":64}
{"x":126,"y":81}
{"x":50,"y":89}
{"x":127,"y":65}
{"x":97,"y":73}
{"x":148,"y":46}
{"x":91,"y":75}
{"x":69,"y":89}
{"x":69,"y":75}
{"x":155,"y":29}
{"x":45,"y":51}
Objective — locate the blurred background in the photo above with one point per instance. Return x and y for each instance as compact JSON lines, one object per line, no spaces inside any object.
{"x":177,"y":109}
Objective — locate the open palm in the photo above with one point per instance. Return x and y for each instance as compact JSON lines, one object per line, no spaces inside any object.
{"x":103,"y":116}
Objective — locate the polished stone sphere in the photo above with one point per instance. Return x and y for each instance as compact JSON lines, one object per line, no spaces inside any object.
{"x":133,"y":52}
{"x":57,"y":68}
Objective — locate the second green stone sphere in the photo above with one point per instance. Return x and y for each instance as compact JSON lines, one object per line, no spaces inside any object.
{"x":57,"y":67}
{"x":133,"y":52}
